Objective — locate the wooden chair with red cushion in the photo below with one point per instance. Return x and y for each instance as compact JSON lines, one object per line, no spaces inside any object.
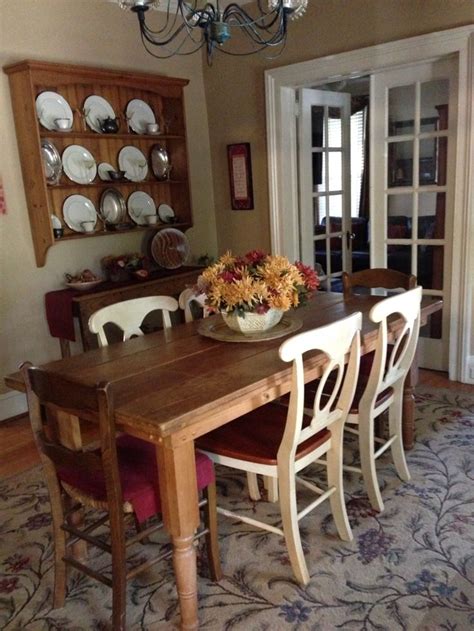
{"x":279,"y":442}
{"x":120,"y":478}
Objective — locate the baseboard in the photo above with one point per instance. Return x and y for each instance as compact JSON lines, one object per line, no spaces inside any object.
{"x":470,"y":369}
{"x":12,"y":404}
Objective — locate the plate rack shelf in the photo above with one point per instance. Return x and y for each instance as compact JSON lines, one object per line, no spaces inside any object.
{"x":75,"y":83}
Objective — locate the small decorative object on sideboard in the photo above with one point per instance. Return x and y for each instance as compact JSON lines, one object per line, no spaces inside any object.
{"x":123,"y":267}
{"x":83,"y":281}
{"x":253,"y":292}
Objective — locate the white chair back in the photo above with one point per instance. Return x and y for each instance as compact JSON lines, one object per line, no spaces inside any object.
{"x":185,"y":300}
{"x":337,"y":341}
{"x":129,"y":315}
{"x":383,"y":373}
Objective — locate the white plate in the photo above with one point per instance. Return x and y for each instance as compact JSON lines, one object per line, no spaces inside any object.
{"x":170,"y":248}
{"x":139,"y":205}
{"x":79,"y":164}
{"x":96,"y":109}
{"x":51,"y":105}
{"x":103,"y":171}
{"x":166,"y":213}
{"x":133,"y":162}
{"x":76,"y":210}
{"x":139,"y":114}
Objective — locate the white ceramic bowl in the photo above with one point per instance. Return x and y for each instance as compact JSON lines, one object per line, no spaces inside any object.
{"x":84,"y":286}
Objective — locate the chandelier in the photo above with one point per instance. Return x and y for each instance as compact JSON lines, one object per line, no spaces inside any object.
{"x":187,"y":26}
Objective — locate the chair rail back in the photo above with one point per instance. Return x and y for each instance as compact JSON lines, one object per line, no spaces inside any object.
{"x":128,"y":315}
{"x":338,"y":340}
{"x":377,"y":277}
{"x":384,"y":374}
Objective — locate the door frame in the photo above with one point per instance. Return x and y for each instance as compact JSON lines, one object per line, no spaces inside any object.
{"x":280,"y":91}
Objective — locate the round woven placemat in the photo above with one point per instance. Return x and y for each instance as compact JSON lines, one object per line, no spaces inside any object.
{"x":218,"y":330}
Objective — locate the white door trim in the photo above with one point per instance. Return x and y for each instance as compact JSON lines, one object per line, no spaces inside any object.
{"x":281,"y":84}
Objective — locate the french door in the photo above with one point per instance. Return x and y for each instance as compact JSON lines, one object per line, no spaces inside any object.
{"x":324,"y":182}
{"x":413,"y":145}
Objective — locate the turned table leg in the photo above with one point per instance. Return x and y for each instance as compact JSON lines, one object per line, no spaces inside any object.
{"x":179,"y":498}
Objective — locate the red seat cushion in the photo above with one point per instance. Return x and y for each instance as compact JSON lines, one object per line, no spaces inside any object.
{"x":256,"y":436}
{"x":138,"y":475}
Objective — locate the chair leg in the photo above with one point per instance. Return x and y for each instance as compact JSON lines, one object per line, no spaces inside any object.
{"x":395,"y":429}
{"x":119,"y":583}
{"x":212,"y":542}
{"x":60,"y":573}
{"x":252,"y":484}
{"x":335,"y":479}
{"x":367,"y":459}
{"x":289,"y":514}
{"x":271,"y":486}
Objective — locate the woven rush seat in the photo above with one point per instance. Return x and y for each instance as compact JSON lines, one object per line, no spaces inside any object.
{"x":256,"y":436}
{"x":138,"y":475}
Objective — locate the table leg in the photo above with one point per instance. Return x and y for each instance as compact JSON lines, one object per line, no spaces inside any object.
{"x":408,"y":422}
{"x":179,"y":498}
{"x":65,"y":347}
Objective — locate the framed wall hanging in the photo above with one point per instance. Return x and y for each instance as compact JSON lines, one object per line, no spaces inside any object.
{"x":240,"y":174}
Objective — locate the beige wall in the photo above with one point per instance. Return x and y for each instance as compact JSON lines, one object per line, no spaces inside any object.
{"x":96,"y":33}
{"x":236,"y":99}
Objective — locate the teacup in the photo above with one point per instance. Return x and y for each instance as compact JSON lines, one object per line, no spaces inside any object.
{"x":64,"y":124}
{"x":153,"y":128}
{"x":151,"y":219}
{"x":88,"y":226}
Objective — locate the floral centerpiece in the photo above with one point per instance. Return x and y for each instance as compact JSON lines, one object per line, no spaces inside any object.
{"x":125,"y":266}
{"x":252,"y":292}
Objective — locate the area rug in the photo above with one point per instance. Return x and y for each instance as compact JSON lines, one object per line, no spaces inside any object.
{"x":411,"y":567}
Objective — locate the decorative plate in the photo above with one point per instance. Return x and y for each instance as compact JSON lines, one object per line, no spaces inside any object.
{"x":112,"y":206}
{"x":50,"y":106}
{"x":216,"y":328}
{"x":133,"y":162}
{"x":96,"y":109}
{"x":160,"y":164}
{"x":56,"y":222}
{"x":139,"y":114}
{"x":79,"y":164}
{"x":139,"y":205}
{"x":170,"y":248}
{"x":166,"y":213}
{"x":78,"y":209}
{"x":52,"y":166}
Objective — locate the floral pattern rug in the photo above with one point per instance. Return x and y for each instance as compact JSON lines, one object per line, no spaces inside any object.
{"x":411,"y":567}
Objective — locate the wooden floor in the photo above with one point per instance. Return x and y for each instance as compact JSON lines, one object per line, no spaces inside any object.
{"x":18,"y":452}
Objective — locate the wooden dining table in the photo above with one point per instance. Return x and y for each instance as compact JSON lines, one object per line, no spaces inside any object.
{"x":175,"y":385}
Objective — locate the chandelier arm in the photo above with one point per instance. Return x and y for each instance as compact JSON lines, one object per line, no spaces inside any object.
{"x":171,"y":53}
{"x":171,"y":19}
{"x":233,"y":10}
{"x":149,"y":35}
{"x":255,"y":35}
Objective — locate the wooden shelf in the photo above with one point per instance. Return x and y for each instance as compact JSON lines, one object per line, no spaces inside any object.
{"x":75,"y":83}
{"x":71,"y":236}
{"x":45,"y":133}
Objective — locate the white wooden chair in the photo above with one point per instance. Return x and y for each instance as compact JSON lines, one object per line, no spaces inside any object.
{"x":278,"y":442}
{"x":186,"y":298}
{"x":383,"y":389}
{"x":128,"y":315}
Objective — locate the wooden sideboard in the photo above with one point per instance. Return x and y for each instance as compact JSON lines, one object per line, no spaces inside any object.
{"x":167,"y":282}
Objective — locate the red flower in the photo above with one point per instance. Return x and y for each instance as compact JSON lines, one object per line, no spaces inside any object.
{"x":16,"y":562}
{"x":255,"y":257}
{"x":311,"y":281}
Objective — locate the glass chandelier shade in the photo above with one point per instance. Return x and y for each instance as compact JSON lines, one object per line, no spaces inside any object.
{"x":187,"y":26}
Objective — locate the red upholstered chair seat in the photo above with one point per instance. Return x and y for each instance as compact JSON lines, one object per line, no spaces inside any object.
{"x":138,"y":475}
{"x":256,"y":436}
